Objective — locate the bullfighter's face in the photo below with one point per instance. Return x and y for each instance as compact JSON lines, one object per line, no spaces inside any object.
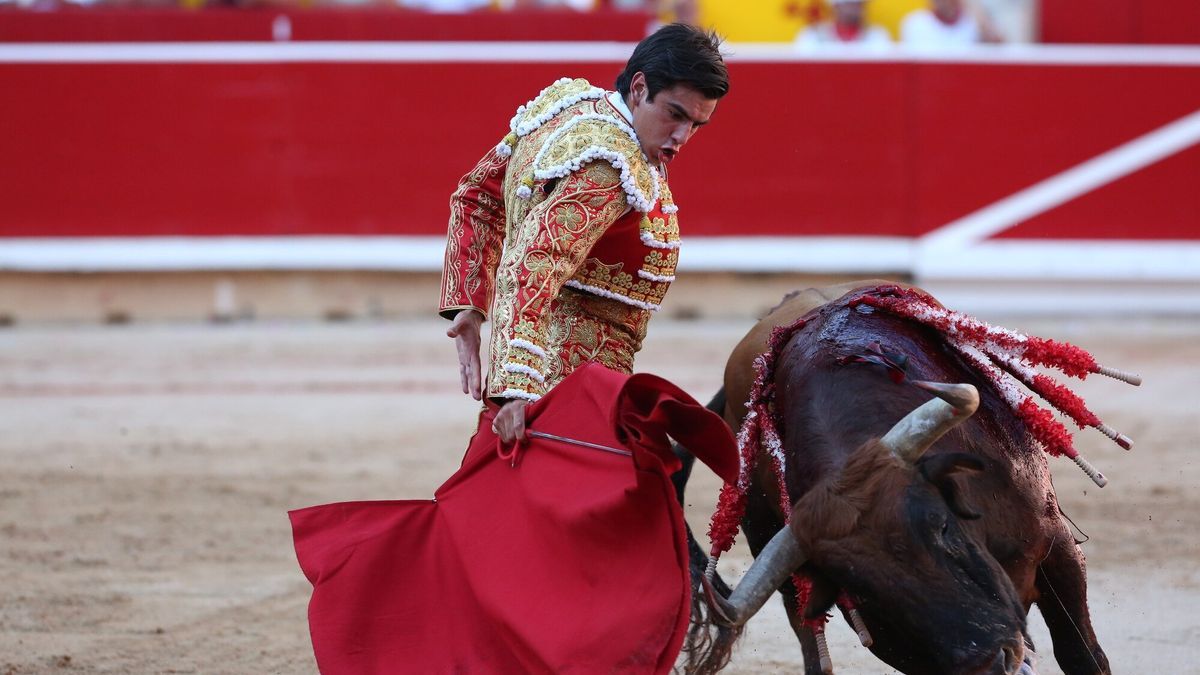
{"x":666,"y":122}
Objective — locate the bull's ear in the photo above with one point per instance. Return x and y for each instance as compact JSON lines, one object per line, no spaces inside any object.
{"x":938,"y":470}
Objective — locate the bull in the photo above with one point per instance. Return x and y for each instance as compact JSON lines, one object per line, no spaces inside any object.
{"x":940,"y":527}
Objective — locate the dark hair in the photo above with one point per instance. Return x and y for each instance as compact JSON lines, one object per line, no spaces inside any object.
{"x":678,"y":54}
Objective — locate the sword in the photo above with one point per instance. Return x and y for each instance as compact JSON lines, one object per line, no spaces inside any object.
{"x":575,"y":441}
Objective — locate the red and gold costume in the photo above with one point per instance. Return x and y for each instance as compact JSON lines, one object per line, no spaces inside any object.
{"x":565,"y":236}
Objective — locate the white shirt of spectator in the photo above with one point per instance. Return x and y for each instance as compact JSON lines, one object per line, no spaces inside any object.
{"x":921,"y":28}
{"x":439,"y":6}
{"x":577,"y":5}
{"x":825,"y":33}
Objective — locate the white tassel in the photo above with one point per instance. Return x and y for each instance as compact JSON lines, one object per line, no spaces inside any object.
{"x":638,"y":199}
{"x":649,"y":240}
{"x":517,"y":393}
{"x":529,"y":126}
{"x":528,"y":346}
{"x":655,"y":277}
{"x":595,"y":290}
{"x":525,"y":370}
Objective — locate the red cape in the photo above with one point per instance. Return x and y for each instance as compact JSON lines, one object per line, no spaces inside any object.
{"x":572,"y":560}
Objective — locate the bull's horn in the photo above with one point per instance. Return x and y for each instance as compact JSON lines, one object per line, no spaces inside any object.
{"x":771,"y":568}
{"x":919,"y":429}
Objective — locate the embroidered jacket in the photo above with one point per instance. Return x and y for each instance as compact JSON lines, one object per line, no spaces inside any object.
{"x":566,"y":237}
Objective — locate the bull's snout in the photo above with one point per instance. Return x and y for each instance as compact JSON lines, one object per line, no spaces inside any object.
{"x":1011,"y":660}
{"x":1008,"y":660}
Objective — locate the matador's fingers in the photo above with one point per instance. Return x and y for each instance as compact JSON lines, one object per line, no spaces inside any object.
{"x":474,"y":370}
{"x":510,"y":422}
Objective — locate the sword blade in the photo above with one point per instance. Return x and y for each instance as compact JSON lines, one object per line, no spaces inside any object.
{"x":575,"y":441}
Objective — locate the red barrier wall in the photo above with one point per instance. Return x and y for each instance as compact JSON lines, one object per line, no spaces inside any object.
{"x":1120,"y":21}
{"x":1060,"y":21}
{"x":894,"y":148}
{"x":232,"y":25}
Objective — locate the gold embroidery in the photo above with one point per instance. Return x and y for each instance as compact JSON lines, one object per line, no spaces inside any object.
{"x":662,"y":230}
{"x":662,"y":262}
{"x":551,"y":97}
{"x":469,"y":277}
{"x":610,"y":279}
{"x":665,"y":230}
{"x":665,"y":192}
{"x":592,"y":329}
{"x":541,"y":251}
{"x":547,"y":237}
{"x":520,"y":167}
{"x":569,"y":217}
{"x":598,"y":138}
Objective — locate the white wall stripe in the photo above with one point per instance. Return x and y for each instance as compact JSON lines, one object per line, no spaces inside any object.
{"x":572,"y":52}
{"x":315,"y":52}
{"x":1022,"y":276}
{"x":102,"y":254}
{"x":1069,"y":260}
{"x":991,"y":298}
{"x":1008,"y":54}
{"x":1004,"y":259}
{"x":737,"y":254}
{"x":1063,"y":187}
{"x":820,"y":255}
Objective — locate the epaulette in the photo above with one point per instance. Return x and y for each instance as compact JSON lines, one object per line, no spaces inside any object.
{"x":559,"y":96}
{"x":589,"y":137}
{"x":584,"y":138}
{"x":552,"y":100}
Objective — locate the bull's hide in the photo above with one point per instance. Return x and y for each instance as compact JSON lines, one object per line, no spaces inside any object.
{"x":574,"y":560}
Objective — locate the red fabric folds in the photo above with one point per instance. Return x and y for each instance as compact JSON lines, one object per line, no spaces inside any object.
{"x":571,"y":560}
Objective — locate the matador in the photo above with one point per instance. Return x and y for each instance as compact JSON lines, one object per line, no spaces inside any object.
{"x":565,"y":234}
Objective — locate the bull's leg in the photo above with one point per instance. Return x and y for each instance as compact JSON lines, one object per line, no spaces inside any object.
{"x":808,"y":642}
{"x":680,"y":478}
{"x":1062,"y":587}
{"x":761,"y":523}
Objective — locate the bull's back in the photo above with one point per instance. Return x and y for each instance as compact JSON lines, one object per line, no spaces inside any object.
{"x":739,"y":370}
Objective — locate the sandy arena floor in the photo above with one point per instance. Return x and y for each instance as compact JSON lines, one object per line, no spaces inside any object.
{"x":147,"y":471}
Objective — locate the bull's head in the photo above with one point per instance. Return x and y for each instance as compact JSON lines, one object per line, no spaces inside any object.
{"x":887,"y":529}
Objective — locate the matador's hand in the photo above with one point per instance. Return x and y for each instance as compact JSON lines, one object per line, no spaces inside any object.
{"x":509,"y":423}
{"x":465,"y":331}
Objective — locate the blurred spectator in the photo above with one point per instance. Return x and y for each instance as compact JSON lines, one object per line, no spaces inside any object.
{"x":848,"y":27}
{"x":948,"y":23}
{"x":667,"y":10}
{"x":449,"y":6}
{"x":684,"y":11}
{"x":46,"y":5}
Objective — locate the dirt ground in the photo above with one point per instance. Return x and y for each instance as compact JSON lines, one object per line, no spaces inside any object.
{"x":148,"y":469}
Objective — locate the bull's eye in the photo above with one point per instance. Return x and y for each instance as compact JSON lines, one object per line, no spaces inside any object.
{"x":938,"y":523}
